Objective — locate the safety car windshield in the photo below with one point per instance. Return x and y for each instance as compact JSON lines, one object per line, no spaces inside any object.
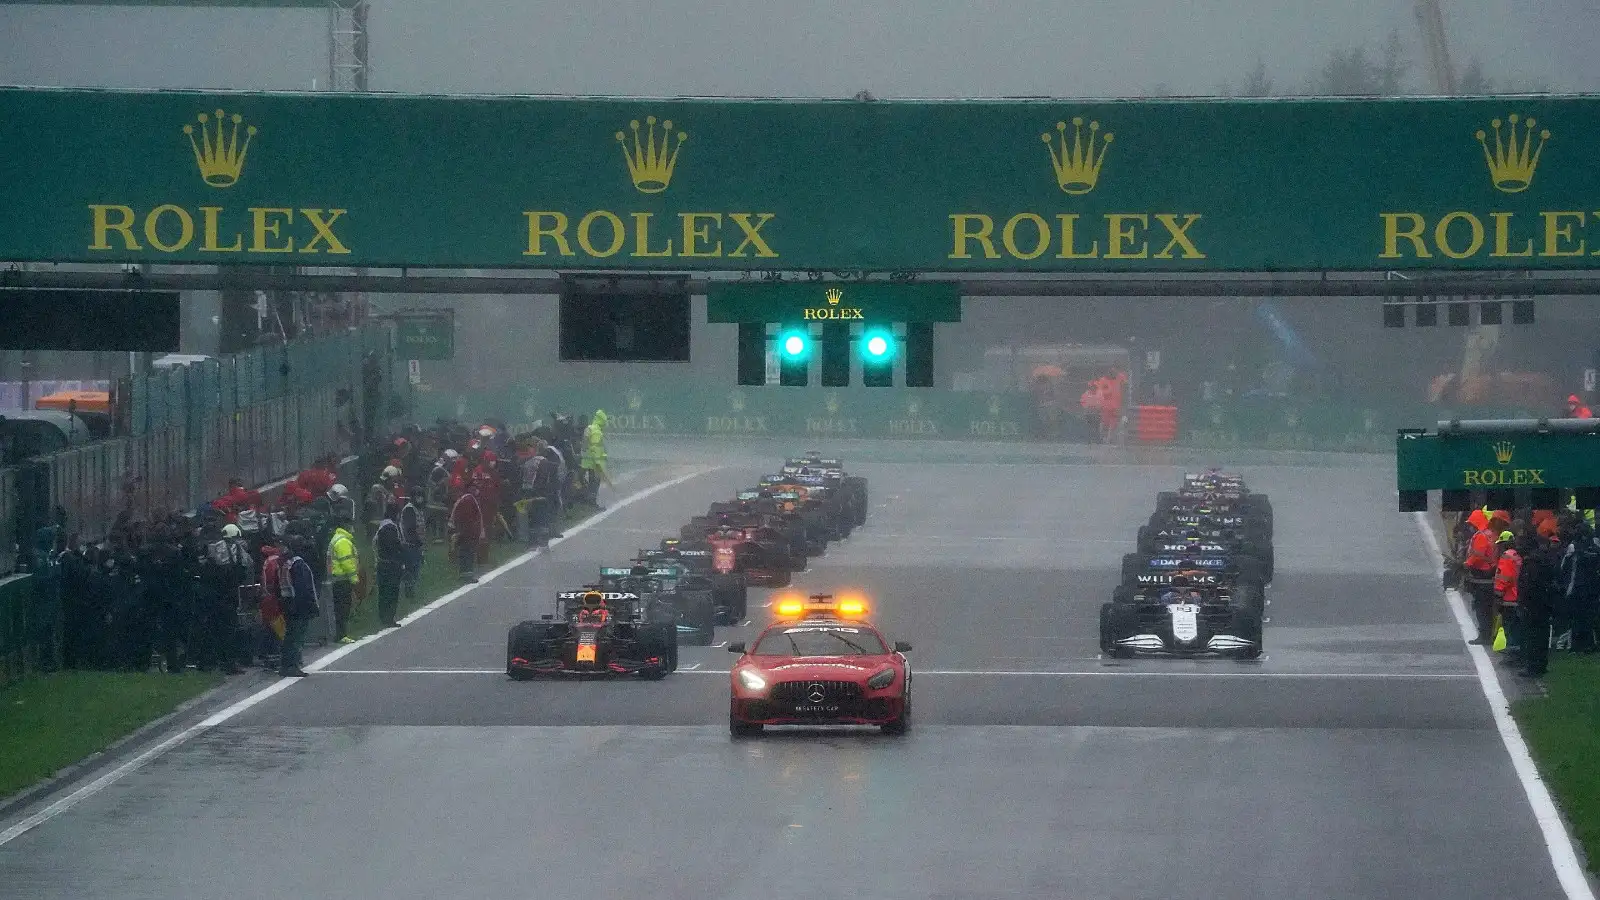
{"x":812,"y":640}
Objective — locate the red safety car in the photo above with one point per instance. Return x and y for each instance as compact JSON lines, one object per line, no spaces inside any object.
{"x":820,"y":663}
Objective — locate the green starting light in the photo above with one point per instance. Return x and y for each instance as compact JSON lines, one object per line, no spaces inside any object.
{"x":877,"y":357}
{"x":794,"y":356}
{"x":879,"y":346}
{"x":794,"y":344}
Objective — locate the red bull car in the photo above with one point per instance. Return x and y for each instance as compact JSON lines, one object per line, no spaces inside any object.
{"x":820,"y":663}
{"x":593,"y":632}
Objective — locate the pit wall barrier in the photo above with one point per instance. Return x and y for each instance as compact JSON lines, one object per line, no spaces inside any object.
{"x":28,"y":638}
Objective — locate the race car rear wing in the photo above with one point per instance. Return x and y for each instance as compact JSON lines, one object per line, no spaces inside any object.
{"x":1158,"y":579}
{"x":1158,"y":563}
{"x":608,"y":596}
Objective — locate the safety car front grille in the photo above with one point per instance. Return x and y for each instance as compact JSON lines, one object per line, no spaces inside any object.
{"x":801,"y":693}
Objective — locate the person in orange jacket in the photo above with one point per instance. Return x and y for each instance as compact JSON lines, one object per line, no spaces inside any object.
{"x":1576,"y":409}
{"x":1506,"y":570}
{"x":1483,"y":552}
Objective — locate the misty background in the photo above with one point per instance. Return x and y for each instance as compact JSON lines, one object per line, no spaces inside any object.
{"x":1314,"y":350}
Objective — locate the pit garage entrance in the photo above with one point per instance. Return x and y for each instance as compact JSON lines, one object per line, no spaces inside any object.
{"x":1405,"y":199}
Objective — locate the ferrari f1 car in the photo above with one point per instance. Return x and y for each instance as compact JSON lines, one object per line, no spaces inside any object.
{"x":1188,"y":616}
{"x":595,"y":632}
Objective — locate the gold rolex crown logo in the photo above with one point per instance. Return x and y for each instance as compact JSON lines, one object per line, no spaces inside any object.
{"x":994,"y":407}
{"x":218,"y":151}
{"x":834,"y":296}
{"x":635,"y":399}
{"x":650,"y":162}
{"x":1512,"y":159}
{"x":832,"y":403}
{"x":1077,"y":166}
{"x":914,"y":407}
{"x":1503,"y":451}
{"x":736,"y":400}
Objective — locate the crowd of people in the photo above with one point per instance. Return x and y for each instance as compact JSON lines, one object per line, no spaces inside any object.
{"x":1534,"y":582}
{"x":242,"y":580}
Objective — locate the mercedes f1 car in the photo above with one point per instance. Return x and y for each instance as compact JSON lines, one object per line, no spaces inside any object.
{"x":595,"y":632}
{"x":717,"y":560}
{"x":1188,"y":616}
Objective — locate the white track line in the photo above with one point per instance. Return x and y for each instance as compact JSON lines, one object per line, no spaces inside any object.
{"x":94,"y":787}
{"x":695,"y":669}
{"x":1569,"y":871}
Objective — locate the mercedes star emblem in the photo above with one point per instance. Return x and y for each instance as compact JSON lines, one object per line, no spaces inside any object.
{"x":817,"y":695}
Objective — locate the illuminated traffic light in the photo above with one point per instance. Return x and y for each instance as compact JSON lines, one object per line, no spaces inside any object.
{"x":877,"y":357}
{"x":794,"y":356}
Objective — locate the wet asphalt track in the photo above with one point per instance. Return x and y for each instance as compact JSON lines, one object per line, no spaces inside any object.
{"x":1358,"y":759}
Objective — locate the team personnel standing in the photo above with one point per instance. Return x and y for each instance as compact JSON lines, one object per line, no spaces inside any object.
{"x":1478,"y":578}
{"x":389,"y":552}
{"x":344,"y":570}
{"x":1580,"y":585}
{"x":1507,"y":569}
{"x":467,"y":532}
{"x":1537,"y":589}
{"x":413,"y":536}
{"x":593,"y":458}
{"x":1576,"y":409}
{"x":298,"y":594}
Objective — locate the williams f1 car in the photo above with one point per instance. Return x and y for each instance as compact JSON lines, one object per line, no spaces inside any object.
{"x":1187,"y":617}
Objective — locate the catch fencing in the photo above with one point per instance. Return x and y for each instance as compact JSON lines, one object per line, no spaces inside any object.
{"x":257,"y":416}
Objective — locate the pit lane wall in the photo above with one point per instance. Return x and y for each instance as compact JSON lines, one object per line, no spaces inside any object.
{"x":675,"y":404}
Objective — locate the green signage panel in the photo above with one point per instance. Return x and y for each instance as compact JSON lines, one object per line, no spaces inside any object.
{"x":425,"y":337}
{"x":1494,"y":461}
{"x":833,"y":301}
{"x":970,"y":186}
{"x":249,"y":4}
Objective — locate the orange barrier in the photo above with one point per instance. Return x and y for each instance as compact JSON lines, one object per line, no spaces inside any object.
{"x":1157,"y":424}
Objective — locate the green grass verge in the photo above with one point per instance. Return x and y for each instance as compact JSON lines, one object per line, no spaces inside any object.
{"x":51,"y":721}
{"x":439,"y":576}
{"x":1563,"y":732}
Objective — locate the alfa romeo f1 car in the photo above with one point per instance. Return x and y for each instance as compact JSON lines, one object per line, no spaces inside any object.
{"x":1206,"y":539}
{"x":1188,"y":616}
{"x":595,"y":632}
{"x":820,"y":663}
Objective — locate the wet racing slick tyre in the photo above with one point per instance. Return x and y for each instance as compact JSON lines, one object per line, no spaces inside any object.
{"x":1134,"y":565}
{"x":661,"y":642}
{"x":1122,"y":594}
{"x":740,"y":729}
{"x":1250,"y":569}
{"x":856,"y":487}
{"x":700,"y":614}
{"x":1166,"y":500}
{"x":1116,"y":622}
{"x":1249,"y":594}
{"x":1247,"y":625}
{"x":524,"y":640}
{"x":1146,"y":541}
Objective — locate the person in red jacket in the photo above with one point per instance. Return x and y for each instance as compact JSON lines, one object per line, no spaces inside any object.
{"x":1576,"y":409}
{"x":1483,"y":552}
{"x":467,"y":532}
{"x":1506,"y":570}
{"x":486,"y":483}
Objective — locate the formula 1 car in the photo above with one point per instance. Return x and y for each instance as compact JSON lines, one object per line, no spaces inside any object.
{"x":688,"y":592}
{"x":593,"y":632}
{"x":717,"y":560}
{"x":852,"y":486}
{"x":1226,"y":502}
{"x":1185,"y":617}
{"x":820,"y":663}
{"x":1200,"y":540}
{"x":1231,"y":568}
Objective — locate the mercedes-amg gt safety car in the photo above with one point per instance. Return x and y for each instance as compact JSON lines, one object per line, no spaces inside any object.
{"x":594,"y":632}
{"x":820,"y":663}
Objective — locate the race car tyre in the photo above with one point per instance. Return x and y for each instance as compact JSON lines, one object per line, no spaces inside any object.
{"x":1247,"y":625}
{"x":522,"y":640}
{"x":1146,"y":541}
{"x":1122,"y":594}
{"x":701,"y":616}
{"x":1250,"y":569}
{"x":856,"y":487}
{"x":1166,"y":499}
{"x":902,"y":724}
{"x":1115,"y":622}
{"x":743,"y":729}
{"x":1134,"y":565}
{"x":655,"y":643}
{"x":1250,"y":594}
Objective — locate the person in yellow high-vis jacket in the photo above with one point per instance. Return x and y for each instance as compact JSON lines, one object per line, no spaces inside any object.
{"x":344,"y":568}
{"x":592,"y":458}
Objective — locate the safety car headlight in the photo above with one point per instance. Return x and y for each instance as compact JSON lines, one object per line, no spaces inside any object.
{"x":881,"y":680}
{"x":751,"y":680}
